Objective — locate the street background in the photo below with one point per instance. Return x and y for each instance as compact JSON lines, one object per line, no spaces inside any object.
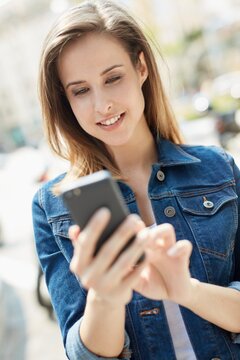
{"x":201,"y":71}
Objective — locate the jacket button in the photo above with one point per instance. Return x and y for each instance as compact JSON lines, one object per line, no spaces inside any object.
{"x":208,"y":204}
{"x":216,"y":358}
{"x":160,"y":175}
{"x":169,"y":211}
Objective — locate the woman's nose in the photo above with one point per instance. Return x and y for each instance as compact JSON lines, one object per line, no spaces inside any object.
{"x":103,"y":104}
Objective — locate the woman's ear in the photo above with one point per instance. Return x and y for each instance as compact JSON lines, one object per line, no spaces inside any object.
{"x":142,"y":68}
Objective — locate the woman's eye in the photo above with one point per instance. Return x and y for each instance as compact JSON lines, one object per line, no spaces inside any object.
{"x":81,"y":91}
{"x":113,"y":79}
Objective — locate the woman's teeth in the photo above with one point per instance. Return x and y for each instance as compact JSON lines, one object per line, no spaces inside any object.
{"x":110,"y":121}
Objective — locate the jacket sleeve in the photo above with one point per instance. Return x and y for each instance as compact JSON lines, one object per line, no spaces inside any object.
{"x":235,"y":284}
{"x":76,"y":350}
{"x":67,"y":296}
{"x":236,"y":280}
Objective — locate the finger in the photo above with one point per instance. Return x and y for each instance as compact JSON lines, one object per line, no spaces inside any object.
{"x":74,"y":232}
{"x":163,"y":236}
{"x":110,"y":249}
{"x":182,"y":249}
{"x":86,"y":242}
{"x":133,"y":278}
{"x":90,"y":234}
{"x":128,"y":259}
{"x":148,"y":275}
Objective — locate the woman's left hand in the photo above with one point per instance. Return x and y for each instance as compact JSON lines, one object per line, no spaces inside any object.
{"x":166,"y":272}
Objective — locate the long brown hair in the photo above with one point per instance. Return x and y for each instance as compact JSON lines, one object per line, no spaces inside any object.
{"x":66,"y":137}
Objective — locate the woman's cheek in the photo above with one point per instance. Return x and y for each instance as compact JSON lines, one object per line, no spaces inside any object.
{"x":80,"y":106}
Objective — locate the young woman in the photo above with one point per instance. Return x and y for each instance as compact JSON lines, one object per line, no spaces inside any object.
{"x":104,"y":107}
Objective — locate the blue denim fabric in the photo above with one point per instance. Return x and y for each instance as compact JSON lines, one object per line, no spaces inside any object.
{"x":193,"y":174}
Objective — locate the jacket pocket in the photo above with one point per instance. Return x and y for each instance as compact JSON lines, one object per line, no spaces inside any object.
{"x":212,"y":215}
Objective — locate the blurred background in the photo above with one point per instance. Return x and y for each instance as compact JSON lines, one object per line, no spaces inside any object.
{"x":200,"y":45}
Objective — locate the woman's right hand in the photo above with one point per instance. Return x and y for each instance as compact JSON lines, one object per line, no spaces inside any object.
{"x":109,"y":280}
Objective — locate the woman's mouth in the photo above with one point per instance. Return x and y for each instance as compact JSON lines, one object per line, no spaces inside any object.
{"x":111,"y":123}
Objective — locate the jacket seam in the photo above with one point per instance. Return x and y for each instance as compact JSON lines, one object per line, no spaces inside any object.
{"x":59,"y":218}
{"x":196,"y":192}
{"x":216,"y":253}
{"x":205,"y":212}
{"x":40,"y":198}
{"x":206,"y":190}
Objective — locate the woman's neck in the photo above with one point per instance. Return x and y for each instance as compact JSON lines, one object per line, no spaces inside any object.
{"x":138,"y":155}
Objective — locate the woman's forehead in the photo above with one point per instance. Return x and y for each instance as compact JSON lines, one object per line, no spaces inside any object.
{"x":91,"y":42}
{"x":92,"y":51}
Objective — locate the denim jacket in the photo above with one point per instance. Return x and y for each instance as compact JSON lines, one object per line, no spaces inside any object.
{"x":194,"y":188}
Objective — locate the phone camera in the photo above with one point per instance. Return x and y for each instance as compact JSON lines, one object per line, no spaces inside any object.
{"x":77,"y":192}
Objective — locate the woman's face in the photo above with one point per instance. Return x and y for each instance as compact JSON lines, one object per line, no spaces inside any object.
{"x":103,"y":88}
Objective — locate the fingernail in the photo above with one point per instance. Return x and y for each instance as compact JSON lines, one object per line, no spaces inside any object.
{"x":103,"y":212}
{"x":73,"y":232}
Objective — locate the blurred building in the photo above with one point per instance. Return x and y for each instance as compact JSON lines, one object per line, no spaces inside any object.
{"x":23,"y":26}
{"x":199,"y":39}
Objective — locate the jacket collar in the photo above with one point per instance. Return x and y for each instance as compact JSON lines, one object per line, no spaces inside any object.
{"x":170,"y":154}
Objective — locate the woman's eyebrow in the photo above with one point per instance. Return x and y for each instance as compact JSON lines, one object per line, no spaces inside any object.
{"x":77,"y":82}
{"x":111,"y":68}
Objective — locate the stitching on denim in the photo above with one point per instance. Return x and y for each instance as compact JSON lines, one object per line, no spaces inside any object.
{"x":40,"y":197}
{"x":229,"y":347}
{"x":130,"y":198}
{"x":232,"y":245}
{"x":57,"y":224}
{"x":190,"y":159}
{"x":208,"y":212}
{"x":59,"y":218}
{"x":168,"y":194}
{"x":190,"y":156}
{"x":206,"y":190}
{"x":61,"y":248}
{"x":213,"y":252}
{"x":235,"y":213}
{"x":209,"y":251}
{"x":62,"y":234}
{"x":197,"y":245}
{"x":194,"y":193}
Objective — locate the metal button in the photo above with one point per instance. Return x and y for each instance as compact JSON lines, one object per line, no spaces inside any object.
{"x":208,"y":204}
{"x":169,"y":211}
{"x":154,"y":311}
{"x":160,"y":175}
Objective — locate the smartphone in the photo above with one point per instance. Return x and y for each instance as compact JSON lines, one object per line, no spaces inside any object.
{"x":87,"y":194}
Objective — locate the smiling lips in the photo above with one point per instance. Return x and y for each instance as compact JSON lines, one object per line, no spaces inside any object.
{"x":110,"y":121}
